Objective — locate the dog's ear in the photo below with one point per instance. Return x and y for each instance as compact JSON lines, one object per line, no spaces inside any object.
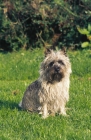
{"x":64,"y":51}
{"x":47,"y":51}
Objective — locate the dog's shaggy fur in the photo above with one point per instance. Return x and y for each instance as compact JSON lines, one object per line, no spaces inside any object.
{"x":50,"y":93}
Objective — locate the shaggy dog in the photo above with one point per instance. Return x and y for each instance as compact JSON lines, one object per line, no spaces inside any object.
{"x":50,"y":92}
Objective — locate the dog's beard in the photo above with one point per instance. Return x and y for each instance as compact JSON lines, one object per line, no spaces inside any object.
{"x":55,"y":77}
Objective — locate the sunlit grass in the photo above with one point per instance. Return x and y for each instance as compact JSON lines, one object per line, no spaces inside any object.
{"x":17,"y":70}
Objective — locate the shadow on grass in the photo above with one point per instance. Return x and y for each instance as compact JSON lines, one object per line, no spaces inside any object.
{"x":9,"y":104}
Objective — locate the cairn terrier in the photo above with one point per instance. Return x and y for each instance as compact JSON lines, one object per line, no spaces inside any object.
{"x":50,"y":93}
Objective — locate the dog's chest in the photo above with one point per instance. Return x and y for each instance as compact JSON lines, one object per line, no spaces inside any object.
{"x":52,"y":92}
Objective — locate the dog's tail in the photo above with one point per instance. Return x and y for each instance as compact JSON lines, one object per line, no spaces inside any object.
{"x":20,"y":104}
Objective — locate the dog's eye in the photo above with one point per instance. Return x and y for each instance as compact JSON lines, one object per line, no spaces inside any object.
{"x":61,"y":62}
{"x":51,"y":64}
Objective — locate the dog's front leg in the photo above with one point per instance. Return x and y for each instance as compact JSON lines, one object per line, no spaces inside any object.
{"x":62,"y":110}
{"x":45,"y":111}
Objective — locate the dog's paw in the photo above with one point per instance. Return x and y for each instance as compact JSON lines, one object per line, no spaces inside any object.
{"x":45,"y":116}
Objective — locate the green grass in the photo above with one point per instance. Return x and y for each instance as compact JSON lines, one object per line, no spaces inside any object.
{"x":19,"y":69}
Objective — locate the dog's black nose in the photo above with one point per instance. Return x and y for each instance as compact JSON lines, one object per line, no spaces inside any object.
{"x":57,"y":68}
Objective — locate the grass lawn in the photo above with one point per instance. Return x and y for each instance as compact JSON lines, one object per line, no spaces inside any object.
{"x":19,"y":69}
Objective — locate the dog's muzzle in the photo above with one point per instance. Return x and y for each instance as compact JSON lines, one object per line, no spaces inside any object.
{"x":57,"y":69}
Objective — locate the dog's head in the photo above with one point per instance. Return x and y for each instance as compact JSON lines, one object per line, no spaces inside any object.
{"x":55,"y":66}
